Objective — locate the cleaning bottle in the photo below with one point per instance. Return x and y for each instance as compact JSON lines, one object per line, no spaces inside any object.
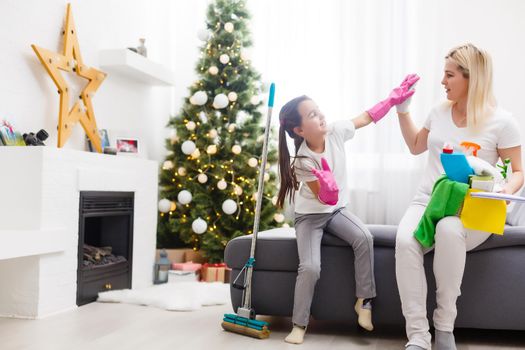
{"x":455,"y":164}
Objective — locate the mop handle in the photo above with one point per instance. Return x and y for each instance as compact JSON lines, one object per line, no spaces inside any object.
{"x":247,"y":294}
{"x":262,"y":169}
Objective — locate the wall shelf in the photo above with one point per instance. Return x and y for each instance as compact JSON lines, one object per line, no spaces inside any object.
{"x":136,"y":67}
{"x":20,"y":243}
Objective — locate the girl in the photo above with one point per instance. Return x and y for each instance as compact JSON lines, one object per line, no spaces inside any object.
{"x":470,"y":115}
{"x":318,"y":172}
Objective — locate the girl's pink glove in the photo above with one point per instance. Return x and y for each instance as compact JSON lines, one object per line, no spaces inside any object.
{"x":329,"y":192}
{"x":397,"y":96}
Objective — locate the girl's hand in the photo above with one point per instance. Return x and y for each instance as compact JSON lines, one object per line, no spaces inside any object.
{"x":398,"y":95}
{"x":328,"y":192}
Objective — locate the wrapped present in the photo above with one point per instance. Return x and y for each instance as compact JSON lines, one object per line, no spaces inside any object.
{"x":194,"y":255}
{"x":227,"y":274}
{"x":186,"y":266}
{"x":213,"y":272}
{"x":175,"y":255}
{"x":182,"y":276}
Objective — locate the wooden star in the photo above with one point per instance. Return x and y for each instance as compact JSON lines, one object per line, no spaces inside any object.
{"x":71,"y":60}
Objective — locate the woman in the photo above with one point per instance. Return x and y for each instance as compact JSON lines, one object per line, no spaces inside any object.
{"x":470,"y":114}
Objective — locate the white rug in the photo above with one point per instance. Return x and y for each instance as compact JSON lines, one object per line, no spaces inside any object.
{"x":180,"y":296}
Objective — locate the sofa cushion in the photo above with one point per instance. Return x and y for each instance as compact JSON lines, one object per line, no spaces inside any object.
{"x":277,"y":248}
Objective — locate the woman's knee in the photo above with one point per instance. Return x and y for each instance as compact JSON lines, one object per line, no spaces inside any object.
{"x":407,"y":245}
{"x":450,"y":227}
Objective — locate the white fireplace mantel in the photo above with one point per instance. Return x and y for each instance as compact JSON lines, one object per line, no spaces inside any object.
{"x":39,"y":211}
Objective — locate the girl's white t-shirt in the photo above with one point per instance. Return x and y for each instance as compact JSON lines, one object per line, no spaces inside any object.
{"x":501,"y":130}
{"x":334,"y":153}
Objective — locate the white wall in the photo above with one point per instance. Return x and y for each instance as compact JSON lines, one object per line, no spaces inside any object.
{"x":496,"y":26}
{"x":28,"y":95}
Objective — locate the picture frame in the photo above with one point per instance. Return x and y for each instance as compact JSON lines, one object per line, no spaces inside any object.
{"x":128,"y":146}
{"x":104,"y":141}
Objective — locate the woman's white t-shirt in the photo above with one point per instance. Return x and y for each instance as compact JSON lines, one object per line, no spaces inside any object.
{"x":306,"y":201}
{"x":500,"y":131}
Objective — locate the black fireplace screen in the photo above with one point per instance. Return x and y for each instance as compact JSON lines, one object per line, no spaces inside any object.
{"x":105,"y":243}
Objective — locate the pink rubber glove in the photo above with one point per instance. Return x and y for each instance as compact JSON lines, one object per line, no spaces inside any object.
{"x":397,"y":96}
{"x":329,"y":192}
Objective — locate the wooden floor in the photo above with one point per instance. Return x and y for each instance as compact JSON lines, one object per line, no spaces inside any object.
{"x":100,"y":326}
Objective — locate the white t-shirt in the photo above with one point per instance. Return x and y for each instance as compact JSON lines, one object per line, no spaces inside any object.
{"x":500,"y":131}
{"x":334,"y":153}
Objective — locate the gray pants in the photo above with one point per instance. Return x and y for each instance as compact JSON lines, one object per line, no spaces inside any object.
{"x":309,"y":231}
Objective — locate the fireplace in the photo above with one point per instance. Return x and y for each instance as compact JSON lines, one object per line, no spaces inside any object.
{"x":105,"y":243}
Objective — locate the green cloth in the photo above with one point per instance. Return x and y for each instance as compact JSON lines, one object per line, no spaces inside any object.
{"x":447,"y":198}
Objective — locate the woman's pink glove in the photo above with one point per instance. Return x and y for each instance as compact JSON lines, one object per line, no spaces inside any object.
{"x":397,"y":96}
{"x":329,"y":192}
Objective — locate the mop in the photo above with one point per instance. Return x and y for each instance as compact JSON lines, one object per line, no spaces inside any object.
{"x":244,"y":321}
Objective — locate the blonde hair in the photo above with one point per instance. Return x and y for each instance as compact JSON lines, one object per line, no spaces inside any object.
{"x":476,"y":65}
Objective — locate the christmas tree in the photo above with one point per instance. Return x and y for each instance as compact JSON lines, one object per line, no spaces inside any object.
{"x":208,"y":181}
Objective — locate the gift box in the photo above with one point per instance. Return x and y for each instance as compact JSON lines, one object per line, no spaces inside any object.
{"x":194,"y":255}
{"x":213,"y":272}
{"x":186,"y":266}
{"x":227,"y":274}
{"x":175,"y":276}
{"x":175,"y":255}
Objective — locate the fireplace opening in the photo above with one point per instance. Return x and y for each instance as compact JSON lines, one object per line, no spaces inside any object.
{"x":105,"y":243}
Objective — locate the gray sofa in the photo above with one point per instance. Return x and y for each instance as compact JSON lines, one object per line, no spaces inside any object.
{"x":493,"y":290}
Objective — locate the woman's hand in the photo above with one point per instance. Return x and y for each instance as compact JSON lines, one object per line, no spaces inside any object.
{"x":328,"y":192}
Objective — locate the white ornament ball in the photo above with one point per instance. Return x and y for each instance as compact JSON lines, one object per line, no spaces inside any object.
{"x":203,"y":117}
{"x":266,"y":176}
{"x":228,"y":26}
{"x":237,"y":190}
{"x":286,"y":225}
{"x":164,"y":205}
{"x":224,"y":58}
{"x":188,"y":147}
{"x":202,"y":178}
{"x":203,"y":34}
{"x":196,"y":154}
{"x":213,"y":70}
{"x":211,"y":149}
{"x":184,"y":197}
{"x":181,"y":171}
{"x":221,"y":185}
{"x":220,"y":101}
{"x":213,"y":133}
{"x":232,"y":96}
{"x":254,"y":100}
{"x":199,"y":226}
{"x":231,"y":127}
{"x":167,"y":165}
{"x":191,"y":125}
{"x":241,"y":117}
{"x":229,"y":206}
{"x":274,"y":200}
{"x":278,"y":217}
{"x":199,"y":98}
{"x":252,"y":162}
{"x":236,"y":149}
